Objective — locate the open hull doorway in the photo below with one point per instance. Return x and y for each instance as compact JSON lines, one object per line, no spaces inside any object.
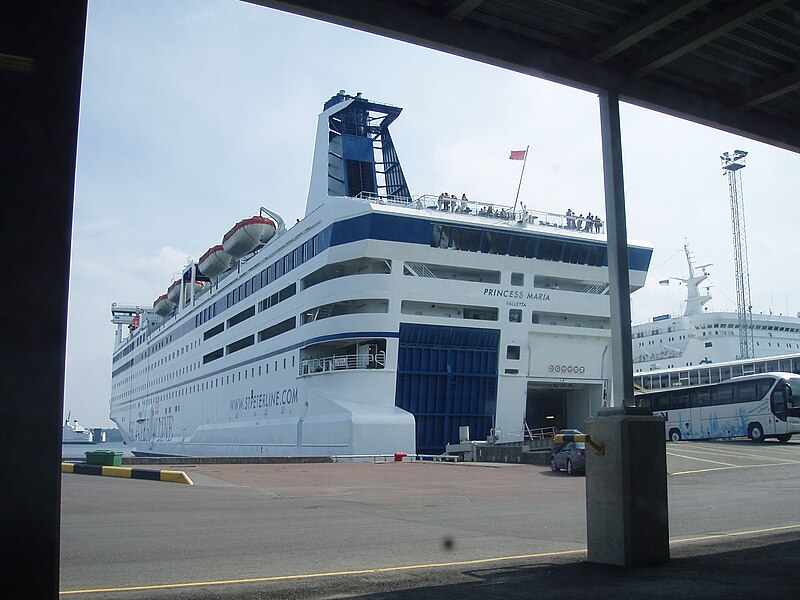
{"x":562,"y":405}
{"x":545,"y":408}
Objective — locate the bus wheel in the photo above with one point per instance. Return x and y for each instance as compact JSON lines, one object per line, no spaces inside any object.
{"x":784,"y":438}
{"x":755,"y":432}
{"x":674,"y":435}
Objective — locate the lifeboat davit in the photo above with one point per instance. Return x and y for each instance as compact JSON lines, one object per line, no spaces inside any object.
{"x":247,"y":235}
{"x":162,"y":306}
{"x":215,"y":261}
{"x":174,"y":292}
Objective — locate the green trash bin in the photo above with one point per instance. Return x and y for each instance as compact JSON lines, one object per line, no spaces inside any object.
{"x":106,"y":458}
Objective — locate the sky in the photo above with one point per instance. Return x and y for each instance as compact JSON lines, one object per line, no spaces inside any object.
{"x":195,"y":113}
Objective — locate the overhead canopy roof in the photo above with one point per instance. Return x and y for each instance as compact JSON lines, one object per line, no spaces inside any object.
{"x":733,"y":65}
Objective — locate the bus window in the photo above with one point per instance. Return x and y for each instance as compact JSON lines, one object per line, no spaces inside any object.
{"x":679,"y":399}
{"x":660,"y":402}
{"x":779,"y":402}
{"x":722,"y":394}
{"x":746,"y":392}
{"x":762,"y":387}
{"x":701,"y":398}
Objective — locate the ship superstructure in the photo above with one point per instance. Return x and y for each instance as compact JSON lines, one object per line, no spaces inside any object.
{"x":700,"y":337}
{"x":381,"y":322}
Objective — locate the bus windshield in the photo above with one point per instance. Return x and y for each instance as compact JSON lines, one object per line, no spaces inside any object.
{"x":794,"y":386}
{"x":793,"y":401}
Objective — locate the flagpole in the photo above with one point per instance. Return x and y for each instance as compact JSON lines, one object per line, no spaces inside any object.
{"x":519,"y":187}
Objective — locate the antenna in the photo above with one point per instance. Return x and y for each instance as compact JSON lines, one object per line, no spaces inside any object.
{"x":732,"y":164}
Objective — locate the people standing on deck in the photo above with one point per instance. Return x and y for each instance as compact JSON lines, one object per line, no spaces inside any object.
{"x":589,"y":223}
{"x":579,"y":222}
{"x":570,"y":219}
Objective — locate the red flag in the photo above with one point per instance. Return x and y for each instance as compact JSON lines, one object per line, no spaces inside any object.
{"x":517,"y":155}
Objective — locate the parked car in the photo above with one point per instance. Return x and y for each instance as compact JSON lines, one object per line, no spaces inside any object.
{"x":570,"y":456}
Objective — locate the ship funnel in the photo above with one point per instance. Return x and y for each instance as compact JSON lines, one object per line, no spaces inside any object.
{"x":354,"y":155}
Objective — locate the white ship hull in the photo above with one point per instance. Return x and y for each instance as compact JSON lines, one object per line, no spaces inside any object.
{"x":698,"y":337}
{"x":374,"y":326}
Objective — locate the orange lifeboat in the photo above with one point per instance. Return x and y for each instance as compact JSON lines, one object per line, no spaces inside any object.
{"x":174,"y":291}
{"x":248,"y":235}
{"x":214,"y":261}
{"x":162,"y":306}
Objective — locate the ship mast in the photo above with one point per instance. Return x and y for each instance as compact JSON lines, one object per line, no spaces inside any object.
{"x":732,"y":164}
{"x":694,"y":299}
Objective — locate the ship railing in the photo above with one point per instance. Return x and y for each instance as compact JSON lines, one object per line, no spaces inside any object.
{"x":342,"y":362}
{"x":540,"y":433}
{"x":396,"y":457}
{"x":493,"y":211}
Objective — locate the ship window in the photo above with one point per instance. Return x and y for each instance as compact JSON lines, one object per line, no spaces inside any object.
{"x":277,"y":329}
{"x":245,"y":314}
{"x":512,"y":352}
{"x":214,"y":331}
{"x":517,"y":279}
{"x":240,"y":344}
{"x":515,"y":315}
{"x":219,"y":353}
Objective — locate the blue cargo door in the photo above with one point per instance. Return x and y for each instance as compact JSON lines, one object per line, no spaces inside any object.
{"x":446,"y":378}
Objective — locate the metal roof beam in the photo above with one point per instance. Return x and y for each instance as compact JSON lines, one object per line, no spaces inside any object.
{"x":402,"y":21}
{"x":641,"y":28}
{"x":460,"y":9}
{"x":771,"y":89}
{"x":712,"y":28}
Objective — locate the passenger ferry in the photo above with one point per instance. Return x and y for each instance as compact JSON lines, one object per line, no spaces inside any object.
{"x":699,"y":337}
{"x":381,"y":322}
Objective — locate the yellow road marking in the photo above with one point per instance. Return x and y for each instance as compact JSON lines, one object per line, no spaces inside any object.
{"x":717,"y":536}
{"x":458,"y":563}
{"x":700,"y":538}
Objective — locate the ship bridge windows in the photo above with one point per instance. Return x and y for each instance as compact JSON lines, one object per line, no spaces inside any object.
{"x":359,"y":266}
{"x":456,"y":272}
{"x":343,"y":355}
{"x":451,"y":311}
{"x":345,"y":307}
{"x":524,"y":246}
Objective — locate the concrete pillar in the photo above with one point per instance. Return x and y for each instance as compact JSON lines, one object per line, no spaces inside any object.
{"x":618,"y":275}
{"x":626,"y":488}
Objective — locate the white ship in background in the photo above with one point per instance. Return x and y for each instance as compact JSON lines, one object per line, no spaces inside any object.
{"x":75,"y":433}
{"x":699,"y":337}
{"x":381,"y":322}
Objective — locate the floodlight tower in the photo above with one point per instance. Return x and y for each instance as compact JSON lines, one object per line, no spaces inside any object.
{"x":732,"y":164}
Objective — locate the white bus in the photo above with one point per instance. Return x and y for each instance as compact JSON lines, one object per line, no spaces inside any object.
{"x":760,"y":406}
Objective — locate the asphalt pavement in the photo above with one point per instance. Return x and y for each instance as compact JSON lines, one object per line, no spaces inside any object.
{"x":411,"y":530}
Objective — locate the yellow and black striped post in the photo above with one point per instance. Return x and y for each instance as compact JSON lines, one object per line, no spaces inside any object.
{"x":127,"y":472}
{"x":579,"y":437}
